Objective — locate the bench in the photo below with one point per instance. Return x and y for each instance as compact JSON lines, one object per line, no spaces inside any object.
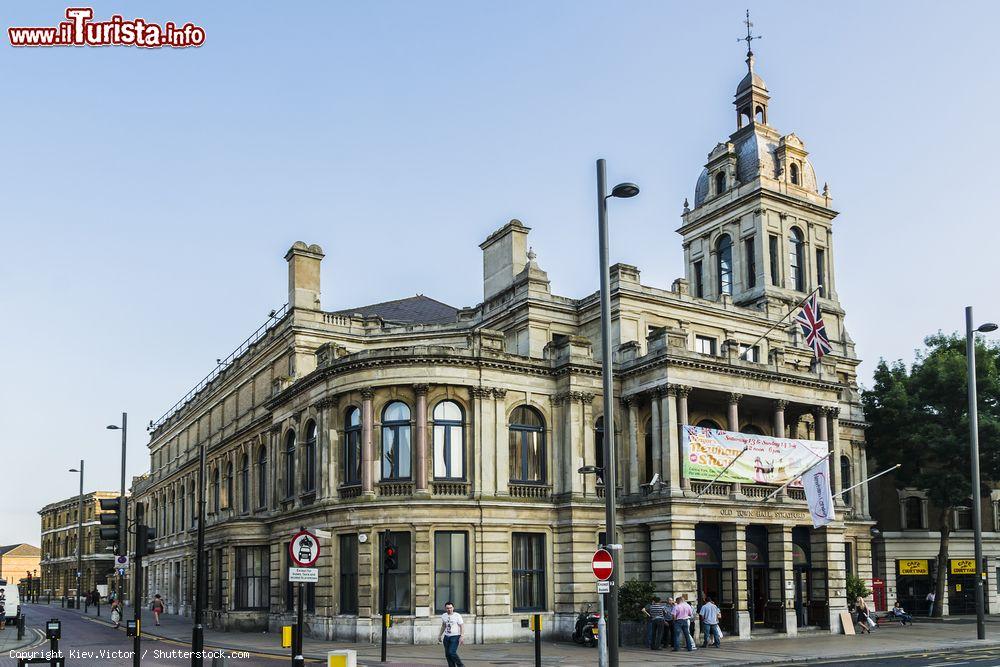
{"x":886,"y":617}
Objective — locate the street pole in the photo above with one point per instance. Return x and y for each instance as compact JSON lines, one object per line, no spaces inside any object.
{"x":79,"y":539}
{"x":198,"y":633}
{"x":123,"y":517}
{"x":602,"y":633}
{"x":382,"y":591}
{"x":610,"y":473}
{"x":140,"y":524}
{"x":977,"y":524}
{"x":298,"y":660}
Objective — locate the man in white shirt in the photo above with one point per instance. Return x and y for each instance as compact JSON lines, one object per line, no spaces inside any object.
{"x":930,"y":601}
{"x":451,"y":634}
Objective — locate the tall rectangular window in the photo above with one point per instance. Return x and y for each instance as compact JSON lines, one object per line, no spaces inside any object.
{"x":699,"y":281}
{"x":751,"y":259}
{"x":849,"y":558}
{"x":748,"y":353}
{"x":772,"y":248}
{"x":528,"y":569}
{"x":349,"y":574}
{"x":451,"y":570}
{"x":821,"y":271}
{"x":397,"y":582}
{"x":704,"y":345}
{"x":289,"y":585}
{"x":252,"y":580}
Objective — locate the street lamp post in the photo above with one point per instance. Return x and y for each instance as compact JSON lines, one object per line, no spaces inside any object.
{"x":122,"y":509}
{"x":624,"y":191}
{"x":79,"y":535}
{"x":977,"y":525}
{"x":200,"y":585}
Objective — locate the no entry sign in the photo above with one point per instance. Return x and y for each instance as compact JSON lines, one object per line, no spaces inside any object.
{"x":602,"y":564}
{"x":304,"y":549}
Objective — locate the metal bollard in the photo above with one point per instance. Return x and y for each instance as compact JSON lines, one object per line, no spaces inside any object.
{"x":97,"y":603}
{"x":20,"y":627}
{"x":218,"y":661}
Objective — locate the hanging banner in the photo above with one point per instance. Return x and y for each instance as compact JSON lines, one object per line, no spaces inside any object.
{"x":816,"y":482}
{"x":767,"y":460}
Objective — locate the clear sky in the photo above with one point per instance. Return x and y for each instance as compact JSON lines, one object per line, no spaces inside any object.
{"x":149,"y":195}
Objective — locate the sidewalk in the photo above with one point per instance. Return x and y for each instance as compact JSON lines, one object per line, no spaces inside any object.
{"x":957,"y":633}
{"x":9,"y":641}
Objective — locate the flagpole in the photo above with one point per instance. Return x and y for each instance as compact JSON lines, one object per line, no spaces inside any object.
{"x":775,"y":325}
{"x":705,"y":490}
{"x":865,"y":481}
{"x":804,"y":471}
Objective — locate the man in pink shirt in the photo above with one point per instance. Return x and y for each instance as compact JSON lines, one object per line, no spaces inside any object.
{"x":682,"y":620}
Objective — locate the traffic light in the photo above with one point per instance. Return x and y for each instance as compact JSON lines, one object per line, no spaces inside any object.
{"x":111,"y":519}
{"x":391,"y":557}
{"x":144,"y":536}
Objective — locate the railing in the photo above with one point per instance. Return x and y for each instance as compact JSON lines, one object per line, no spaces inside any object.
{"x":758,"y":490}
{"x":450,"y":488}
{"x":600,"y":491}
{"x":721,"y":489}
{"x":395,"y":488}
{"x":272,"y":319}
{"x":795,"y":494}
{"x":352,"y":491}
{"x":529,"y":490}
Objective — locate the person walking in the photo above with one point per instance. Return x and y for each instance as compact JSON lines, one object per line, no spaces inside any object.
{"x":930,"y":601}
{"x":709,"y":614}
{"x":657,"y":619}
{"x":157,"y":607}
{"x":682,"y":619}
{"x":116,"y":613}
{"x":451,"y":634}
{"x":862,"y":615}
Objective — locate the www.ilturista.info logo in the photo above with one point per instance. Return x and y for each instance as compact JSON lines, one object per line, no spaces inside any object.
{"x":80,"y":30}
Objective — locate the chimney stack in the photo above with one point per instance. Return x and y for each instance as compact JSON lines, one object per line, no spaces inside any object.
{"x":303,"y":275}
{"x":505,"y":254}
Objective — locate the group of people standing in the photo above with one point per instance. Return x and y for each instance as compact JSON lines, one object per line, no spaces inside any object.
{"x":674,"y":619}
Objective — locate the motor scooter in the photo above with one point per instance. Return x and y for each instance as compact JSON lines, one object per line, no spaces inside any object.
{"x":586,"y":627}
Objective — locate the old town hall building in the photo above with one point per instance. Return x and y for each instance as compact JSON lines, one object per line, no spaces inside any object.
{"x":462,"y":431}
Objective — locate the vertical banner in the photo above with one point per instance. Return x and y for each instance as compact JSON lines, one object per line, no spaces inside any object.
{"x":816,"y":482}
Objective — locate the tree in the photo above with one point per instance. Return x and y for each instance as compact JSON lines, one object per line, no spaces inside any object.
{"x":919,"y":417}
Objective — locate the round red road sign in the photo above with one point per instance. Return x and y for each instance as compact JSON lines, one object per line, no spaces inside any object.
{"x":603,"y":564}
{"x":304,"y":549}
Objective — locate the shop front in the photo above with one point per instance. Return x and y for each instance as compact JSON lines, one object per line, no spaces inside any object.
{"x":914,"y":581}
{"x":715,"y":581}
{"x":962,"y":586}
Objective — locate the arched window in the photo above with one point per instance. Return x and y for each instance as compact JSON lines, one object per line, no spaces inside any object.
{"x":724,"y":264}
{"x":216,"y":488}
{"x":449,"y":441}
{"x":796,"y":259}
{"x":599,"y":447}
{"x":396,"y":441}
{"x":290,"y":464}
{"x":845,"y":478}
{"x":309,"y":483}
{"x":708,"y":423}
{"x":262,"y":476}
{"x":352,"y":446}
{"x":245,"y":483}
{"x":759,"y":114}
{"x":527,"y":445}
{"x":794,"y":172}
{"x":720,"y":182}
{"x":914,"y":509}
{"x":229,"y":485}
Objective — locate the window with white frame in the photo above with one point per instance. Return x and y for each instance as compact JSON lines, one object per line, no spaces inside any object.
{"x":705,"y":345}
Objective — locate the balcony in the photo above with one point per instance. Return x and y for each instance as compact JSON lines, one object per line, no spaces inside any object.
{"x":395,"y":489}
{"x":351,"y":491}
{"x":450,"y":488}
{"x":530,"y":491}
{"x":717,"y":489}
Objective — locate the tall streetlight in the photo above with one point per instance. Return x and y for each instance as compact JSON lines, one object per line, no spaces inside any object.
{"x":79,"y":535}
{"x":201,"y":583}
{"x":977,"y":524}
{"x":622,"y":191}
{"x":122,"y":509}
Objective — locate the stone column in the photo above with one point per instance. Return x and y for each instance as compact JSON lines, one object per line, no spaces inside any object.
{"x":420,"y":460}
{"x":576,"y":438}
{"x":367,"y":447}
{"x":779,"y":418}
{"x":863,"y":475}
{"x":671,"y":548}
{"x":838,"y":482}
{"x":629,"y":402}
{"x":734,"y":555}
{"x":671,"y":469}
{"x":482,"y":466}
{"x":682,"y":420}
{"x":779,"y":548}
{"x":502,"y":441}
{"x":589,"y":445}
{"x":734,"y":425}
{"x":327,"y":445}
{"x":828,"y":551}
{"x":656,"y":465}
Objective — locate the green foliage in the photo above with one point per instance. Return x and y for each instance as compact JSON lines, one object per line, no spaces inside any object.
{"x":856,"y":589}
{"x":919,"y":417}
{"x":632,"y":597}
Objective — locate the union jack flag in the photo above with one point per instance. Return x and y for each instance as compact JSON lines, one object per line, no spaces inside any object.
{"x":813,"y":329}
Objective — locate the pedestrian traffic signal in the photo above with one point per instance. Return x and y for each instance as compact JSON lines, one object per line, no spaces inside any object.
{"x":111,"y":520}
{"x":144,"y":536}
{"x":391,"y":557}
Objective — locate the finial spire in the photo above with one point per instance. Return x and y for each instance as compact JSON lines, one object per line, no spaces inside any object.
{"x":749,"y":40}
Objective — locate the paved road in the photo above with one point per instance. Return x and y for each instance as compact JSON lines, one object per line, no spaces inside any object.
{"x":974,"y":657}
{"x":88,"y":642}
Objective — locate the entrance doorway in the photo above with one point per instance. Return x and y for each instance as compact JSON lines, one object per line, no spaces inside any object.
{"x":802,"y":573}
{"x":962,"y":587}
{"x":714,"y":581}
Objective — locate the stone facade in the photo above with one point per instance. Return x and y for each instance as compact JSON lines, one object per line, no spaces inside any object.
{"x":19,"y":561}
{"x":462,"y":431}
{"x":59,"y":545}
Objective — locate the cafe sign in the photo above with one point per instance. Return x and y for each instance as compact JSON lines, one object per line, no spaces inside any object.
{"x":962,"y":566}
{"x":913,"y":567}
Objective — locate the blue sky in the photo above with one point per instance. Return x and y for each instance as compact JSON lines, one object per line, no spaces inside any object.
{"x":149,"y":195}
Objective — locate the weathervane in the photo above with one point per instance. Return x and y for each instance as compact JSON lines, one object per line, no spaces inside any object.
{"x":749,"y":40}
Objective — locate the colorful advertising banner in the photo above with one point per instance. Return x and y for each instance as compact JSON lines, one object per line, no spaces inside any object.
{"x":767,"y":460}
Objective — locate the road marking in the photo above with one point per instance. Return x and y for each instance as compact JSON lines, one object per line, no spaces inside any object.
{"x":946,"y":664}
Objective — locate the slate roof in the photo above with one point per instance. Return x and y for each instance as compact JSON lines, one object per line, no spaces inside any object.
{"x":417,"y":309}
{"x":30,"y":551}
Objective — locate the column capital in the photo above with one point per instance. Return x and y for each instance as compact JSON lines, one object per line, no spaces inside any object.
{"x":822,"y":411}
{"x":683,"y":390}
{"x":327,"y":402}
{"x":627,"y":401}
{"x":481,"y":392}
{"x":780,"y":404}
{"x":585,"y":396}
{"x":367,"y":393}
{"x":499,"y":392}
{"x":734,"y":398}
{"x":420,"y":389}
{"x":834,"y":413}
